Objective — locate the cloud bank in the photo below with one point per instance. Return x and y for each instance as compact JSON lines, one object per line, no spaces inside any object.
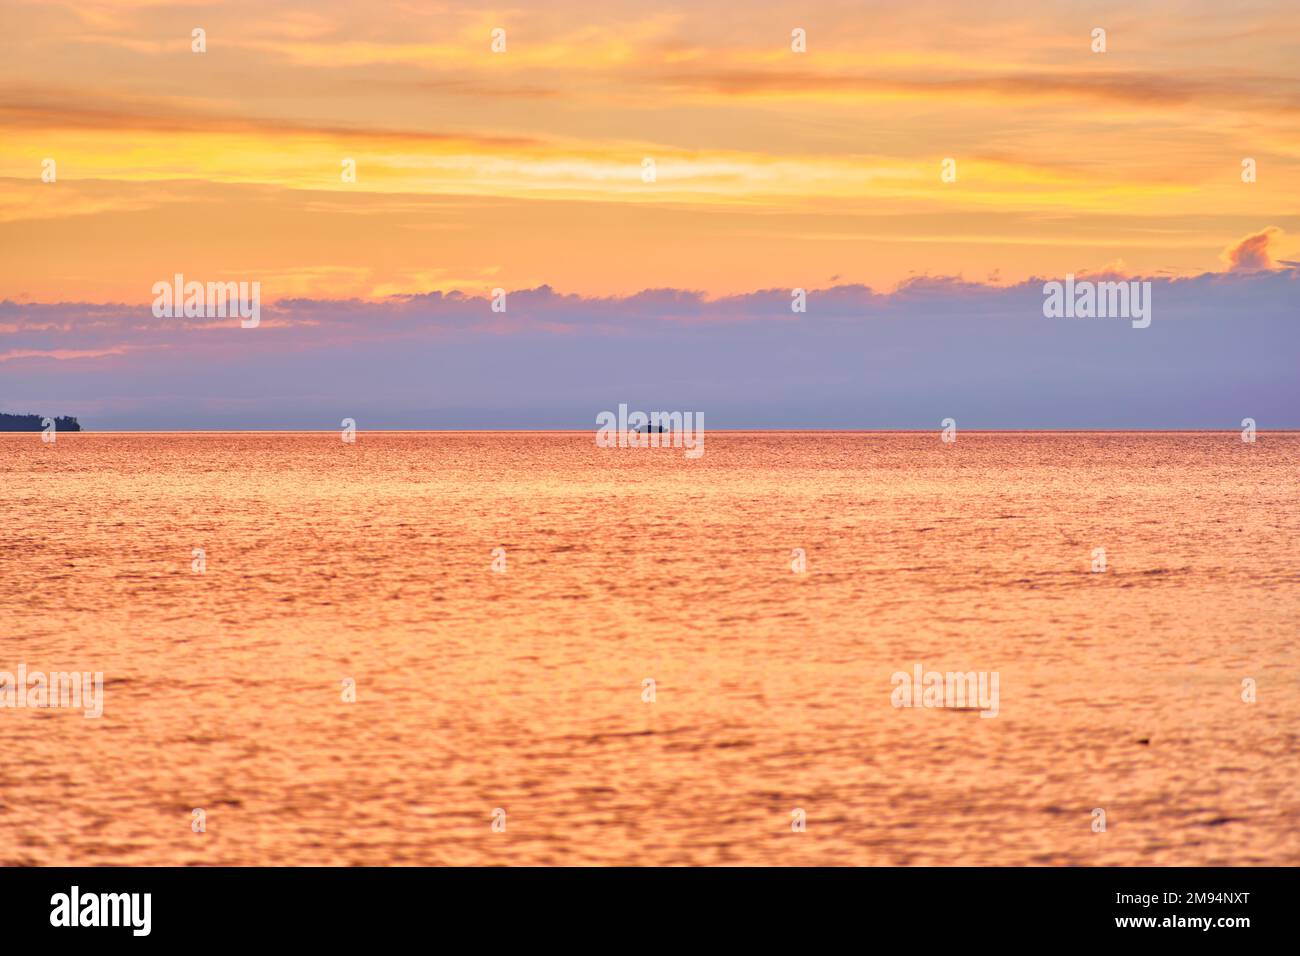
{"x":1221,"y":346}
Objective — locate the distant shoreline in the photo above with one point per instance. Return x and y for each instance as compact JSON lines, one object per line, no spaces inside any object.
{"x":36,"y":423}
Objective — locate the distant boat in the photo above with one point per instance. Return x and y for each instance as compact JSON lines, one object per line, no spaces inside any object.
{"x":36,"y":423}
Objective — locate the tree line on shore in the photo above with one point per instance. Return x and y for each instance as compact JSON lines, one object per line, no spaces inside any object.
{"x":36,"y":423}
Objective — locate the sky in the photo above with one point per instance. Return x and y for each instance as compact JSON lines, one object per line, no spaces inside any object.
{"x":920,"y":170}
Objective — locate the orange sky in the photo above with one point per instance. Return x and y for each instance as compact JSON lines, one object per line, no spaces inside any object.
{"x":773,"y":168}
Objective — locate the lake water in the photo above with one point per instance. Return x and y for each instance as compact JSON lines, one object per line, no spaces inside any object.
{"x":524,"y":690}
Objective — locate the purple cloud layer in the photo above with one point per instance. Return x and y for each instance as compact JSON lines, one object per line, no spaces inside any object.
{"x":1221,"y":346}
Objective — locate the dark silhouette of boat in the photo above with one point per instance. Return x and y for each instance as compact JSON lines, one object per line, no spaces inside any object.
{"x":35,"y":423}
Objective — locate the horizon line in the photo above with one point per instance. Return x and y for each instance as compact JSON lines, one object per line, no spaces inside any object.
{"x":566,"y":431}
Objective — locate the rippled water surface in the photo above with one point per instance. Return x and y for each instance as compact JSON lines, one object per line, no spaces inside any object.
{"x":523,"y":690}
